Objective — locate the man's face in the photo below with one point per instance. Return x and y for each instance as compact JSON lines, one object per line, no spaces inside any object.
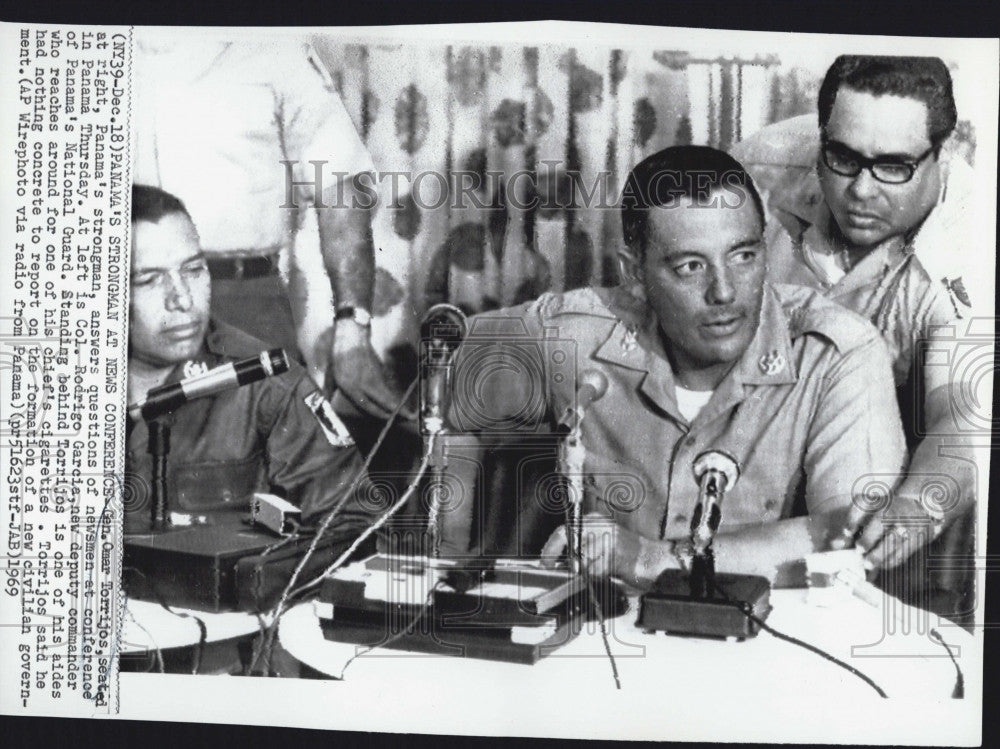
{"x":703,"y":275}
{"x":867,"y":211}
{"x":170,"y":292}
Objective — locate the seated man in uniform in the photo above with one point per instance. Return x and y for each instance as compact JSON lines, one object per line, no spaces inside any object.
{"x":874,"y":212}
{"x":700,"y":353}
{"x":278,"y":435}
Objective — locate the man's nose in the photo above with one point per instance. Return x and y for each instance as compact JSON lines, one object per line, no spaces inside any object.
{"x":178,"y":293}
{"x":721,"y":289}
{"x":864,"y":185}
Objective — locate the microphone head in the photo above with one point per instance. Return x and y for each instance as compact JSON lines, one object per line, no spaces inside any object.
{"x":595,"y":380}
{"x":716,"y":460}
{"x":275,"y":361}
{"x":445,"y":323}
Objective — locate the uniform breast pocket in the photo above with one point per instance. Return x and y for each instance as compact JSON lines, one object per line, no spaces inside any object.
{"x":217,"y":485}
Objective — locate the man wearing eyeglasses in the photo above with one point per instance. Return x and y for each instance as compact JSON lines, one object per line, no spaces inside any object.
{"x":878,"y":220}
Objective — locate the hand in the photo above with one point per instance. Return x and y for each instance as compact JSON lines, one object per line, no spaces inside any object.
{"x":607,"y":549}
{"x":893,"y":533}
{"x":357,"y":371}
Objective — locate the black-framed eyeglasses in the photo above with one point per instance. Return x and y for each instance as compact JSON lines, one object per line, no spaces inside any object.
{"x":847,"y":162}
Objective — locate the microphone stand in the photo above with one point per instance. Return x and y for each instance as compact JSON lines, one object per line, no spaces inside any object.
{"x":571,"y":456}
{"x":158,"y":446}
{"x":704,"y":524}
{"x":434,"y":431}
{"x":697,"y":601}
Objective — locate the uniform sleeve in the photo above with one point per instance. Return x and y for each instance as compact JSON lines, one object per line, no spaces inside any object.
{"x":315,"y":125}
{"x":855,"y":441}
{"x":312,"y":460}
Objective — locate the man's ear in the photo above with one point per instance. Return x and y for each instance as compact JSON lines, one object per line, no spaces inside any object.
{"x":630,"y":266}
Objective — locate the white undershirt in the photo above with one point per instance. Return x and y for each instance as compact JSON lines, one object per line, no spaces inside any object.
{"x":690,"y":402}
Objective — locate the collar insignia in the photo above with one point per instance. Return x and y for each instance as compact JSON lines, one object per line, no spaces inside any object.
{"x":194,"y":368}
{"x":772,"y":362}
{"x":629,"y":341}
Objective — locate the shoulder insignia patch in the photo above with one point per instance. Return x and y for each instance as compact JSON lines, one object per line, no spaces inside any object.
{"x":333,"y":428}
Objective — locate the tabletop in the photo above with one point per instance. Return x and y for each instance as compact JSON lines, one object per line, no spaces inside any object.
{"x":149,"y":626}
{"x":890,"y":643}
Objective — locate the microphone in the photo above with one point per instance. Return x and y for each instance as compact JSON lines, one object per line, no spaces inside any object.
{"x":442,"y":330}
{"x":591,"y":387}
{"x":694,"y":600}
{"x":716,"y":473}
{"x":167,"y":398}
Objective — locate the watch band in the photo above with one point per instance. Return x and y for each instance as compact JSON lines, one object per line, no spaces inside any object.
{"x":359,"y":315}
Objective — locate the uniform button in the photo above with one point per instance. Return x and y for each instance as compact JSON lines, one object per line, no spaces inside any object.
{"x":689,"y":441}
{"x":770,"y":504}
{"x":680,"y":518}
{"x":227,"y":495}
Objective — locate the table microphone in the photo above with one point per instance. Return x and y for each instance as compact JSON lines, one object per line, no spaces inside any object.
{"x":166,"y":398}
{"x":591,"y":386}
{"x":699,"y":601}
{"x":716,"y":473}
{"x":442,"y":331}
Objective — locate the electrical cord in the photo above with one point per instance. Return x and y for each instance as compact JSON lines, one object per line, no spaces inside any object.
{"x":400,"y":503}
{"x":425,"y":607}
{"x":959,"y":691}
{"x":157,"y":654}
{"x":202,"y":628}
{"x":279,"y":608}
{"x":801,"y":643}
{"x":596,"y":603}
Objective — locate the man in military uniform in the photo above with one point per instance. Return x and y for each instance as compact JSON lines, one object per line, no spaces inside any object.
{"x":700,"y":353}
{"x":277,"y":435}
{"x":875,"y":215}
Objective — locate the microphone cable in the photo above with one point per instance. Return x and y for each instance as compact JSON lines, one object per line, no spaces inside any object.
{"x":959,"y":690}
{"x":592,"y":593}
{"x":401,"y":502}
{"x":362,"y":473}
{"x":269,"y":644}
{"x":202,"y":627}
{"x":424,"y":608}
{"x":801,"y":643}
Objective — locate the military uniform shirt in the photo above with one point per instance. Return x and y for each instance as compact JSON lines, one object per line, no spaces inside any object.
{"x":277,"y":435}
{"x":808,"y":411}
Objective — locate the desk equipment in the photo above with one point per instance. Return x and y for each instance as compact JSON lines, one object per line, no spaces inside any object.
{"x":224,"y":566}
{"x":508,"y":610}
{"x":214,"y":562}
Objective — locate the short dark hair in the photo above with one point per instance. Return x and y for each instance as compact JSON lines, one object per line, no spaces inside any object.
{"x":923,"y":78}
{"x":151,"y":204}
{"x":680,"y":171}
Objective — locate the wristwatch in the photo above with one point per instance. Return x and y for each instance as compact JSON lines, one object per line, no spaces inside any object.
{"x":359,"y":315}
